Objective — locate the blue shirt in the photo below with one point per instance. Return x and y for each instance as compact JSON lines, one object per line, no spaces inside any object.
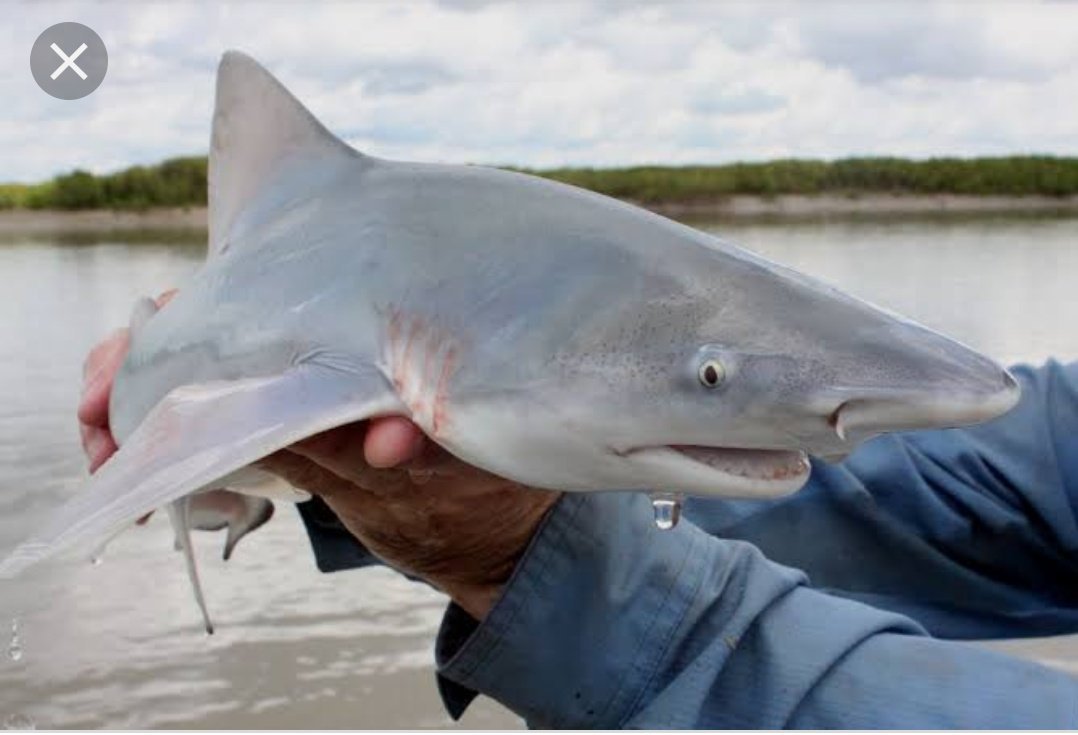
{"x":825,"y":609}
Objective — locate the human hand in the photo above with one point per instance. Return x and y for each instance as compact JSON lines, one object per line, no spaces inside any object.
{"x":98,"y":371}
{"x":417,"y":507}
{"x":411,"y":503}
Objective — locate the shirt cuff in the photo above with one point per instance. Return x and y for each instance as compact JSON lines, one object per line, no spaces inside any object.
{"x":334,"y":547}
{"x":586,"y":619}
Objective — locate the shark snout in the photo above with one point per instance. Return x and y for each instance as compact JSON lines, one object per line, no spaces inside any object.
{"x":913,"y":378}
{"x":870,"y":415}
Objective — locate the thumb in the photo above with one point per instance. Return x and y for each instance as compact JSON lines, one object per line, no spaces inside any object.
{"x":392,"y":441}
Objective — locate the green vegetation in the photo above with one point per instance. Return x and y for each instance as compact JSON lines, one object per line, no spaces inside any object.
{"x":177,"y":182}
{"x":1011,"y":176}
{"x":14,"y":195}
{"x":181,"y":182}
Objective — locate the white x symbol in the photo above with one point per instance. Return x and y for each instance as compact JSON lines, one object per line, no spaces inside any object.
{"x":69,"y":61}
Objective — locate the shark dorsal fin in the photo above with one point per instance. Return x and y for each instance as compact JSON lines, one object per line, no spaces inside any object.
{"x":259,"y":128}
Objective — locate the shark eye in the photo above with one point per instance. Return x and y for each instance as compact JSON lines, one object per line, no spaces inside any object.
{"x":712,"y":373}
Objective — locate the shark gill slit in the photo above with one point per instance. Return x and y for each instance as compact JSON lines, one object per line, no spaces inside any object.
{"x":421,"y":360}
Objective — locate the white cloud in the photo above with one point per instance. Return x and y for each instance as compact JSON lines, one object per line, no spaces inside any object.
{"x":599,"y":83}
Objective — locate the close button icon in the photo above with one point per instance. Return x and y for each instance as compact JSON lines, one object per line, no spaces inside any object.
{"x":69,"y":60}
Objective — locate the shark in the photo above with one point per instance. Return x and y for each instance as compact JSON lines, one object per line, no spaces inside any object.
{"x":545,"y":333}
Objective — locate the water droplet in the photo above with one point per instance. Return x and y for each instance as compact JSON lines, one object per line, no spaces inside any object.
{"x":667,"y":507}
{"x":14,"y":649}
{"x":98,"y":555}
{"x":19,"y":722}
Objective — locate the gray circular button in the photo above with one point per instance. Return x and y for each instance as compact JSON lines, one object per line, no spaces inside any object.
{"x":69,"y":60}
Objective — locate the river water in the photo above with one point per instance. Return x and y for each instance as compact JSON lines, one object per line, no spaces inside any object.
{"x":120,"y":644}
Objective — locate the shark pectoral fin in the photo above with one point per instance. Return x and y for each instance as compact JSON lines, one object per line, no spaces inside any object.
{"x":178,"y":516}
{"x":198,"y":434}
{"x":98,"y":552}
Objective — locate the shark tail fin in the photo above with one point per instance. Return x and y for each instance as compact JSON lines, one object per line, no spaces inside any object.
{"x":199,"y":434}
{"x":178,"y":515}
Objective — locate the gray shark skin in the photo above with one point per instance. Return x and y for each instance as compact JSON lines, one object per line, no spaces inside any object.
{"x":235,"y":513}
{"x":545,"y":333}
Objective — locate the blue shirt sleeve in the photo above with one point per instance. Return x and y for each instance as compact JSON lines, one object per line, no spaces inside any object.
{"x":335,"y":548}
{"x":609,"y":622}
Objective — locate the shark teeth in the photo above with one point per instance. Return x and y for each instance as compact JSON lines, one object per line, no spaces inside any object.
{"x":753,"y":464}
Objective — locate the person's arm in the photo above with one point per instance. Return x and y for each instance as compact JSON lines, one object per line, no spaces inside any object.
{"x":608,"y":622}
{"x":972,"y":532}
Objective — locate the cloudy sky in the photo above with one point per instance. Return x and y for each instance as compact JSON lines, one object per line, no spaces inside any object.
{"x":565,"y":83}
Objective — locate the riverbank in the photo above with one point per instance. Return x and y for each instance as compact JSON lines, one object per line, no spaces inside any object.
{"x":182,"y":182}
{"x":48,"y":221}
{"x":789,"y":206}
{"x":808,"y":206}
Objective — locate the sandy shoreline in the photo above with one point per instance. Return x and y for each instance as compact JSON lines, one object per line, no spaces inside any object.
{"x":785,"y":206}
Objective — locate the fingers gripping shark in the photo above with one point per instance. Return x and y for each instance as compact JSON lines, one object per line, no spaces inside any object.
{"x":544,"y":333}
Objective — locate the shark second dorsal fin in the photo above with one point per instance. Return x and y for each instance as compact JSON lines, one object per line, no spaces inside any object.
{"x":259,"y":130}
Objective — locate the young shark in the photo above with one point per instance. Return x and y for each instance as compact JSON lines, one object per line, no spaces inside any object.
{"x":545,"y":333}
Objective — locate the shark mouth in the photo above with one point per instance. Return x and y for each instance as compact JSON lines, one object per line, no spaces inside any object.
{"x":746,"y":473}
